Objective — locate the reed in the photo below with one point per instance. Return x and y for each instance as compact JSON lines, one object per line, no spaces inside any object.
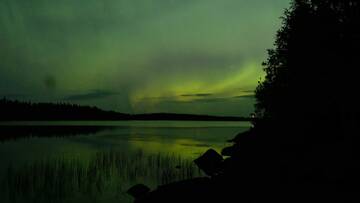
{"x":105,"y":176}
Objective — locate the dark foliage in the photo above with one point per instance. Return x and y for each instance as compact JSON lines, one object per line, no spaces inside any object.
{"x":308,"y":105}
{"x":313,"y":70}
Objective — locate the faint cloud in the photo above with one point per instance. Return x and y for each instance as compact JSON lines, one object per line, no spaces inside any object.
{"x":197,"y":95}
{"x":174,"y":98}
{"x":201,"y":98}
{"x":210,"y":100}
{"x":213,"y":100}
{"x":95,"y":94}
{"x":250,"y":96}
{"x":246,"y":90}
{"x":195,"y":145}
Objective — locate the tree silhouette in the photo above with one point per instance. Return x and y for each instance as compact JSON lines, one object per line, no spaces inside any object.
{"x":308,"y":105}
{"x":313,"y":69}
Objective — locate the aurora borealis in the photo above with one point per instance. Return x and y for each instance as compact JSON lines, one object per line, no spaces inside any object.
{"x":138,"y":56}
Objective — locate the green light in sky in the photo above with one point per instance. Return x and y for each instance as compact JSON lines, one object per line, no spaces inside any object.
{"x":121,"y":54}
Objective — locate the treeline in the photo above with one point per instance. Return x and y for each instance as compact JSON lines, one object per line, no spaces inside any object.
{"x":17,"y":110}
{"x":12,"y":110}
{"x":184,"y":117}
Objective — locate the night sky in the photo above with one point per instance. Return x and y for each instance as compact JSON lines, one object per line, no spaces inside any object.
{"x":138,"y":56}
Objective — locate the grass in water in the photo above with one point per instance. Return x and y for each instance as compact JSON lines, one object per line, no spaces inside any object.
{"x":104,"y":178}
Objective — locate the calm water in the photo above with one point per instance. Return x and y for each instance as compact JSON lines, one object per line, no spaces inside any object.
{"x":188,"y":138}
{"x":185,"y":139}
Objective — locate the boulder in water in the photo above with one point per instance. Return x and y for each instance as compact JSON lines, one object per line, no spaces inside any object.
{"x":138,"y":191}
{"x":210,"y":162}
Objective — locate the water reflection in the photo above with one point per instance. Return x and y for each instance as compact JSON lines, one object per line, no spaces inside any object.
{"x":41,"y":139}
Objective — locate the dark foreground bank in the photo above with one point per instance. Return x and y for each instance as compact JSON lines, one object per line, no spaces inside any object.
{"x":258,"y":169}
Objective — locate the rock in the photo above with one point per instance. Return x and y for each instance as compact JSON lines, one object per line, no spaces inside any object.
{"x":210,"y":162}
{"x":230,"y":151}
{"x":138,"y":191}
{"x":244,"y":136}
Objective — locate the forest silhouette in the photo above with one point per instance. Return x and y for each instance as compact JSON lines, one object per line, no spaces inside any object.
{"x":304,"y":146}
{"x":13,"y":110}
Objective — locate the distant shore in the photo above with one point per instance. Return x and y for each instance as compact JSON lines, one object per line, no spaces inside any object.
{"x":26,"y":111}
{"x":140,"y":117}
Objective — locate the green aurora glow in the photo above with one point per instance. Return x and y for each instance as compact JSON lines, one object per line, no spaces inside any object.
{"x":137,"y":56}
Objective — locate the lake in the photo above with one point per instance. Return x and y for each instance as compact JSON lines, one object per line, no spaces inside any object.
{"x":126,"y":152}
